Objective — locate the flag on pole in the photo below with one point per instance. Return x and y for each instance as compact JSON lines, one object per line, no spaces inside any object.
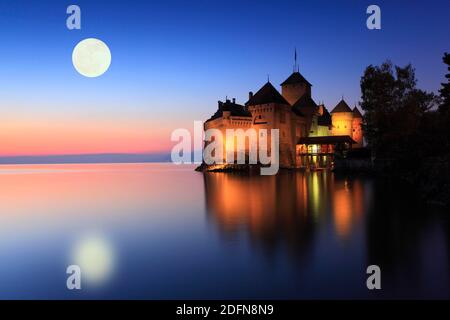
{"x":295,"y":60}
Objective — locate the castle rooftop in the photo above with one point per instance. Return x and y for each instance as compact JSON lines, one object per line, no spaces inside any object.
{"x":305,"y":106}
{"x":235,"y":110}
{"x":296,"y":77}
{"x":356,"y":113}
{"x":267,"y":94}
{"x":325,"y":118}
{"x":342,"y":106}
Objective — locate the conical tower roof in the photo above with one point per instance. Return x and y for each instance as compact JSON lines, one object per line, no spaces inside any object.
{"x":267,"y":94}
{"x":342,"y":106}
{"x":296,"y":77}
{"x":356,"y":113}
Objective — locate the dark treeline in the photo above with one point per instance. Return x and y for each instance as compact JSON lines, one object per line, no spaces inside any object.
{"x":408,"y":129}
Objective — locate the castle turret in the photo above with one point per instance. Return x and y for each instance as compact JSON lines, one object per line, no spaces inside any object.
{"x":342,"y":120}
{"x":294,"y":87}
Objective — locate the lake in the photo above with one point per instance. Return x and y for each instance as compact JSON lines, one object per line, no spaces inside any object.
{"x":161,"y":231}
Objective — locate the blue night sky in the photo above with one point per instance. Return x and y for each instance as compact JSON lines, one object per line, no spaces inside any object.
{"x":172,"y":60}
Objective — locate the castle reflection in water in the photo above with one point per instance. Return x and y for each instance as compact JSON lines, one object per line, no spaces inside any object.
{"x":326,"y":223}
{"x":173,"y":233}
{"x":288,"y":205}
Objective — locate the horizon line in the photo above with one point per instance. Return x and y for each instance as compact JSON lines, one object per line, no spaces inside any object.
{"x":86,"y":158}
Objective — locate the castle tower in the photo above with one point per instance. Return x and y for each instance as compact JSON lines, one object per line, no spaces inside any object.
{"x":271,"y":111}
{"x":342,"y":120}
{"x":294,"y":87}
{"x":357,"y":134}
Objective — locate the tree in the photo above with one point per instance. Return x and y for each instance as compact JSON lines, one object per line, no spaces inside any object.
{"x":402,"y":126}
{"x":394,"y":108}
{"x":377,"y":95}
{"x":444,"y":107}
{"x":445,"y":90}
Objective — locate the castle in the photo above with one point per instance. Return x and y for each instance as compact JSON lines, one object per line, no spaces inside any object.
{"x":309,"y":135}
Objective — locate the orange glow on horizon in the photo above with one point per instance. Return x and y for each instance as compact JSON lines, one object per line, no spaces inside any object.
{"x":39,"y":138}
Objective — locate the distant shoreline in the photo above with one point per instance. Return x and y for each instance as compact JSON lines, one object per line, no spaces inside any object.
{"x":86,"y":158}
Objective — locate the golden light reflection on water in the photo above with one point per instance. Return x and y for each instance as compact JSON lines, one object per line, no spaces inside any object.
{"x":290,"y":204}
{"x":260,"y":203}
{"x":117,"y":220}
{"x":315,"y":192}
{"x":347,"y":207}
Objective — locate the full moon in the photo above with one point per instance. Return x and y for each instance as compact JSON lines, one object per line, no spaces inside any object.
{"x":91,"y":57}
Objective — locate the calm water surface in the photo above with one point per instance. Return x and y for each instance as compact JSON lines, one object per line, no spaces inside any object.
{"x":160,"y":231}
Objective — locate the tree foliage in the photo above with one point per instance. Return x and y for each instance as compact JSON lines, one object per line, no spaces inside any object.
{"x":445,"y":90}
{"x":394,"y":108}
{"x":408,"y":129}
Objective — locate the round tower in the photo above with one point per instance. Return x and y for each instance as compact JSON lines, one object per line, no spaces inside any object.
{"x":342,"y":120}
